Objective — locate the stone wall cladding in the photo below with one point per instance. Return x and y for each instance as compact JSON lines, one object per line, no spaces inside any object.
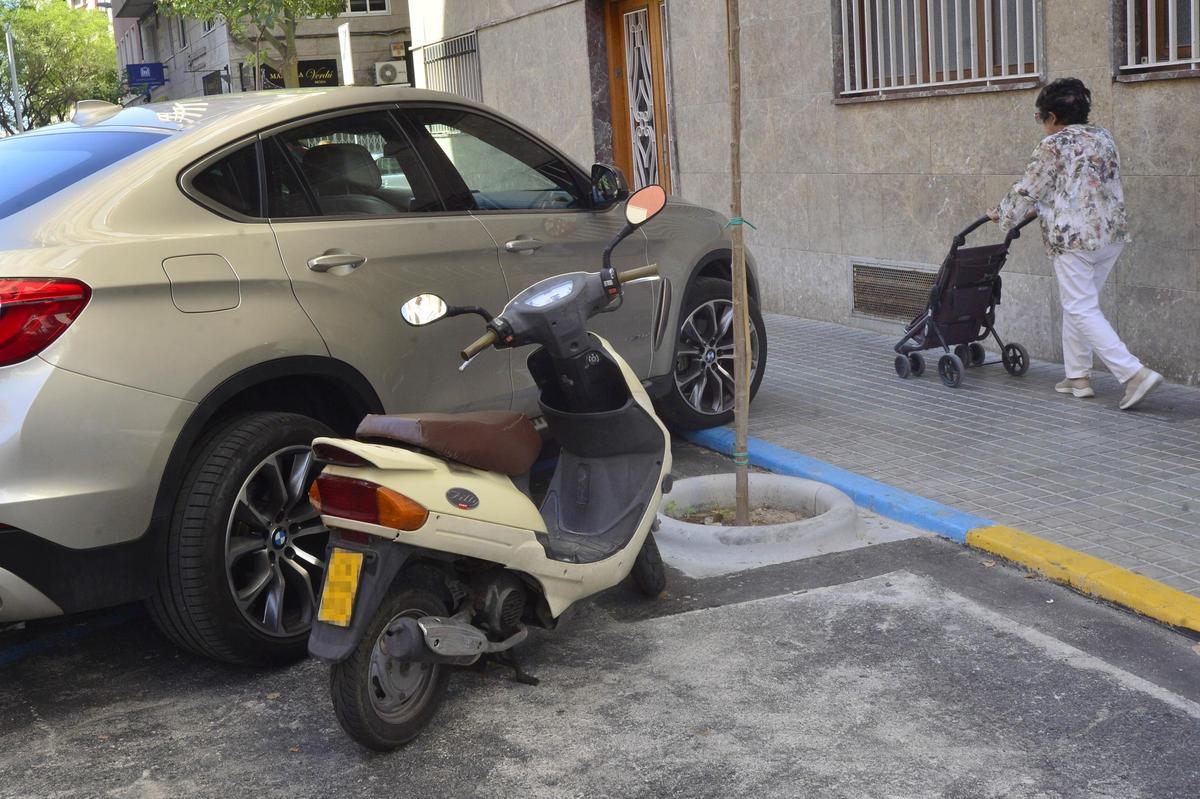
{"x":895,"y":180}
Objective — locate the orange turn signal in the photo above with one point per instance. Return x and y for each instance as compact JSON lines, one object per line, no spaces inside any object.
{"x":398,"y":511}
{"x":363,"y":501}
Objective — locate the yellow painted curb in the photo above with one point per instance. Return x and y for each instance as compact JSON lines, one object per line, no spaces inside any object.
{"x":1090,"y":575}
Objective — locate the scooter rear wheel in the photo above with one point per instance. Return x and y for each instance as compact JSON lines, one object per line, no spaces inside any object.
{"x":380,"y":702}
{"x":649,"y":573}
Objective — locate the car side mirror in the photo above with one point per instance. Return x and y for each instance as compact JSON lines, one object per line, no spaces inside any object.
{"x":423,"y":309}
{"x":608,"y":185}
{"x":645,"y":204}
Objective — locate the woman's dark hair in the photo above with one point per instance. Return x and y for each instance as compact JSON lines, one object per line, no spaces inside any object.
{"x":1068,"y":99}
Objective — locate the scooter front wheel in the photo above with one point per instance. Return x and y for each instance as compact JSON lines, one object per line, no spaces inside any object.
{"x":381,"y":702}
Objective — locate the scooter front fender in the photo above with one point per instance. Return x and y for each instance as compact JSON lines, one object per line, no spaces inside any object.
{"x":382,"y":562}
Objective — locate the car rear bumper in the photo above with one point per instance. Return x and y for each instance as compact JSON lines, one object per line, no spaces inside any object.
{"x":80,"y":464}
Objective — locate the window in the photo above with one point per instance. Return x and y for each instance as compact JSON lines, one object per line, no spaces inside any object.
{"x":360,"y":165}
{"x":36,"y":166}
{"x":367,"y":7}
{"x":453,"y":66}
{"x":1158,"y":35}
{"x":884,"y":47}
{"x":494,"y":167}
{"x":232,"y":182}
{"x":208,"y":25}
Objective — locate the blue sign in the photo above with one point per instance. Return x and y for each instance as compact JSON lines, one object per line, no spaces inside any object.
{"x":148,"y":75}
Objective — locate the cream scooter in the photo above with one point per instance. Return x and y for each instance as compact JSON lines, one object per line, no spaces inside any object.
{"x":437,"y":558}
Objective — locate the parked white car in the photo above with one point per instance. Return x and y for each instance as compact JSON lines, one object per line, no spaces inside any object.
{"x":191,"y":292}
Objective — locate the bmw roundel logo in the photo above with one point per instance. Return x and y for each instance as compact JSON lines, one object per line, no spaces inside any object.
{"x":462,"y":499}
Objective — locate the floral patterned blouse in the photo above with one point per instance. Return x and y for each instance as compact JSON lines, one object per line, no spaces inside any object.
{"x":1073,"y":183}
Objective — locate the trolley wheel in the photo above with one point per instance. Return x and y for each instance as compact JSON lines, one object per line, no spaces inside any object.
{"x":903,"y":368}
{"x":916,"y":362}
{"x":1016,"y":359}
{"x":950,"y":369}
{"x":963,"y":353}
{"x":978,"y":354}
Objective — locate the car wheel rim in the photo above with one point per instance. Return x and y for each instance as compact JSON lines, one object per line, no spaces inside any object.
{"x":704,"y":358}
{"x":275,"y":545}
{"x":397,"y":689}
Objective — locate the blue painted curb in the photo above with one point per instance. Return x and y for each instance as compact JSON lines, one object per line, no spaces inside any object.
{"x":19,"y":652}
{"x":879,"y":497}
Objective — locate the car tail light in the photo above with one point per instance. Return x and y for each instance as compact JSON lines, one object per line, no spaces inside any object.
{"x":361,"y":501}
{"x":34,"y":312}
{"x":327,"y":453}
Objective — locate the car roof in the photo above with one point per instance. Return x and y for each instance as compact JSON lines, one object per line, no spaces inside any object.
{"x":256,"y":109}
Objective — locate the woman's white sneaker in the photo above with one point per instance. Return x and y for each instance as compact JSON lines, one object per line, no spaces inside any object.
{"x":1076,"y":386}
{"x":1139,"y":386}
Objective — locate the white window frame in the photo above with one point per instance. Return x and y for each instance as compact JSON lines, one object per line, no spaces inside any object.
{"x":387,"y":9}
{"x":1173,"y":26}
{"x":922,"y":47}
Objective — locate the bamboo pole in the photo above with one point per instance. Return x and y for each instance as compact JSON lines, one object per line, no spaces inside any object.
{"x":741,"y":316}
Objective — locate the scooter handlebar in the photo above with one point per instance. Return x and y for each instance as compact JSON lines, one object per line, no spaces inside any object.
{"x":479,"y":345}
{"x":637,"y":274}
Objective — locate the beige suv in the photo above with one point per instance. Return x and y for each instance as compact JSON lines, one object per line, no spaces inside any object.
{"x":191,"y":292}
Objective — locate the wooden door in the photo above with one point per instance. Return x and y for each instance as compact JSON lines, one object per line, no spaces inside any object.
{"x":637,"y":54}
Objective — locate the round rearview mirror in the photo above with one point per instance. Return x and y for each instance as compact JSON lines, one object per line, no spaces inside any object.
{"x":423,"y":309}
{"x":645,"y":204}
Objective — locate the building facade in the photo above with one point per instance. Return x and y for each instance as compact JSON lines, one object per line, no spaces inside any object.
{"x":201,"y":58}
{"x":873,"y":130}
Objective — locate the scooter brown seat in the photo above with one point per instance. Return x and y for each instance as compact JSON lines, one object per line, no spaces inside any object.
{"x":497,"y":441}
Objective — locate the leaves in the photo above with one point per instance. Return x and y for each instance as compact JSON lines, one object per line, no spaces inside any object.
{"x":255,"y":23}
{"x":62,"y":55}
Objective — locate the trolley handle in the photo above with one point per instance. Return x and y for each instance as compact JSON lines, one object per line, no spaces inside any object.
{"x":1015,"y":233}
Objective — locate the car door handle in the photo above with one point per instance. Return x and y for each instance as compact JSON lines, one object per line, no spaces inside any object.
{"x":523,"y":245}
{"x":334,"y":259}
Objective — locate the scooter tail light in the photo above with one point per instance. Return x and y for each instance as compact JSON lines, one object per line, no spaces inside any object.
{"x":364,"y":501}
{"x":328,"y":453}
{"x":34,"y":312}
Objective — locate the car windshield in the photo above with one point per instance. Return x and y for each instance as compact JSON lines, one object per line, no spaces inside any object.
{"x":35,"y":167}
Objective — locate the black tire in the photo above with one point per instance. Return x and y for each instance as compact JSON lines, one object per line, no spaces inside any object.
{"x":950,"y":369}
{"x":963,"y":353}
{"x":916,"y":363}
{"x":193,"y":602}
{"x":978,"y":354}
{"x":351,"y":682}
{"x":676,"y":411}
{"x":649,"y":573}
{"x":903,"y":367}
{"x":1015,"y":359}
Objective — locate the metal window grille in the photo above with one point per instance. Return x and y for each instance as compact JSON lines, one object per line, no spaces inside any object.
{"x":453,"y":66}
{"x":1161,"y":33}
{"x":902,"y":45}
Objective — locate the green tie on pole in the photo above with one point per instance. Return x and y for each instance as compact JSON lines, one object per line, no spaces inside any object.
{"x":741,"y":315}
{"x":12,"y":77}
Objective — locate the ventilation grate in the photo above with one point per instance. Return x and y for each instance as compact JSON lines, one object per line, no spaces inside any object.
{"x":894,"y":292}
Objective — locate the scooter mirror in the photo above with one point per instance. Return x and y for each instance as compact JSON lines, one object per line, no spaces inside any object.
{"x":645,"y":204}
{"x":423,"y":309}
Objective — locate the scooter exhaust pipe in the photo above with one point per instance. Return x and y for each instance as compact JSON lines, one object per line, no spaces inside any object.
{"x":436,"y":639}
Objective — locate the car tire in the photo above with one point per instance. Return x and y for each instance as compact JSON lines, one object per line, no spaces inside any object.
{"x":697,"y":411}
{"x":216,"y":555}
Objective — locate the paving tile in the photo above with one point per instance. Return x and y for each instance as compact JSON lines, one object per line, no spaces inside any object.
{"x":1084,"y":474}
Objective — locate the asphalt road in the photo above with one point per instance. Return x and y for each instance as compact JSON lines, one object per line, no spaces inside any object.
{"x":909,"y":669}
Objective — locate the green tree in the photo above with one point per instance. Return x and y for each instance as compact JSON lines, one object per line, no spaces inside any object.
{"x":254,"y":23}
{"x":62,"y":55}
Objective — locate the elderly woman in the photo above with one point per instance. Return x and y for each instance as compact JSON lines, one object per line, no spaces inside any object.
{"x":1073,"y":184}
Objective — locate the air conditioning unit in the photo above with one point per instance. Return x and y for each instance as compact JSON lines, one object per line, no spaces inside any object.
{"x":391,"y":72}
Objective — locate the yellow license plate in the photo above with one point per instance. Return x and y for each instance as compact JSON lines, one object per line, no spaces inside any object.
{"x":341,"y":584}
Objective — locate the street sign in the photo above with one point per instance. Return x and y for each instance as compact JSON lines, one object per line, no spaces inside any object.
{"x":146,"y":75}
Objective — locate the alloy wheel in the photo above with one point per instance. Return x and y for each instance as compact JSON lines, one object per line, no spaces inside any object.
{"x":704,"y":357}
{"x":275,"y":544}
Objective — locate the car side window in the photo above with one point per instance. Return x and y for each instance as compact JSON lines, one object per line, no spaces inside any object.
{"x":356,"y":165}
{"x":232,"y":182}
{"x":496,"y":168}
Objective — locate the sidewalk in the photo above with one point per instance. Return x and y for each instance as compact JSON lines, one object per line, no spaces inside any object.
{"x":1120,"y":485}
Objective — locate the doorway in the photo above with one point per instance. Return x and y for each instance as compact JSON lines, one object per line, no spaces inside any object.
{"x":639,"y":72}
